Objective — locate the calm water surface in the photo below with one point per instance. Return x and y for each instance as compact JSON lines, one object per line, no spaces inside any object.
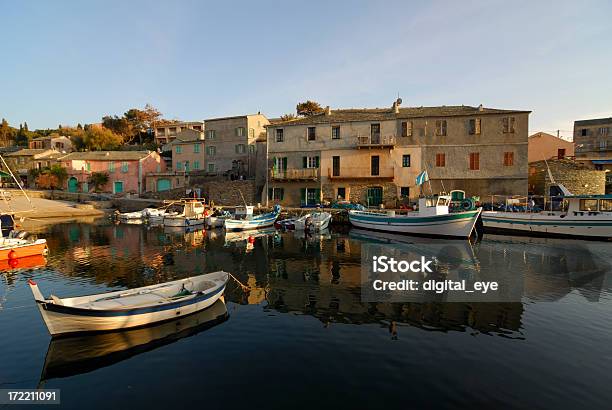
{"x":302,"y":338}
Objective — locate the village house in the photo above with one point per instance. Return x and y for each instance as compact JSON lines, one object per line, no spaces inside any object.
{"x":593,"y":145}
{"x":231,"y":144}
{"x":126,"y":170}
{"x":546,"y":146}
{"x":167,"y":133}
{"x":23,"y":161}
{"x":187,"y":151}
{"x":57,"y":142}
{"x":373,"y":156}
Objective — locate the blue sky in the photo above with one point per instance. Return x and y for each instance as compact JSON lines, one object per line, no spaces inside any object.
{"x":74,"y":61}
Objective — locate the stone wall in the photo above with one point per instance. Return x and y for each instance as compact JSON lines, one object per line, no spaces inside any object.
{"x":577,"y":178}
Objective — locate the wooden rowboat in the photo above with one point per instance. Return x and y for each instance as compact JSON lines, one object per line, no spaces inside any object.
{"x":130,"y":308}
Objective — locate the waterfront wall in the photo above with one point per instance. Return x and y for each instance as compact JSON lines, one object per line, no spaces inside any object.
{"x":577,"y":178}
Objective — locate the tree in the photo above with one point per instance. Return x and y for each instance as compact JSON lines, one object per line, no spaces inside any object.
{"x":288,"y":117}
{"x":98,"y":179}
{"x":7,"y":133}
{"x":308,"y":108}
{"x":58,"y":172}
{"x":47,"y":181}
{"x":135,"y":124}
{"x":79,"y":126}
{"x":100,"y":138}
{"x":23,"y":136}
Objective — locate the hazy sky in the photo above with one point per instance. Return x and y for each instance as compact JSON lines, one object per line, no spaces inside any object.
{"x":74,"y":61}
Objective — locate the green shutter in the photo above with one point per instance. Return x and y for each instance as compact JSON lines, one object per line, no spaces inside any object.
{"x":317,"y":161}
{"x":270,"y":193}
{"x":303,"y":195}
{"x":285,"y":163}
{"x":282,"y":193}
{"x":305,"y":162}
{"x":318,"y":195}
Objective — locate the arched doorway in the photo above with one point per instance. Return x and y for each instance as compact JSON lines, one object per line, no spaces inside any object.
{"x":73,"y":184}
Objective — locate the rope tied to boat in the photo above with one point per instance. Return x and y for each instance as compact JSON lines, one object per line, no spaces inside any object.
{"x":242,"y":285}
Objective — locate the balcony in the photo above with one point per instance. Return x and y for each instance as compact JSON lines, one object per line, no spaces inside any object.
{"x":296,"y":174}
{"x":361,"y":173}
{"x":374,"y":141}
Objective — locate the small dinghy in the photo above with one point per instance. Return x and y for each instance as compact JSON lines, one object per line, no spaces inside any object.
{"x":130,"y":308}
{"x":313,"y":222}
{"x":255,"y":222}
{"x":131,"y":217}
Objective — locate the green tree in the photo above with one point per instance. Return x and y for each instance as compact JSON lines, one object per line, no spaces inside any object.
{"x":22,"y":137}
{"x":58,"y":172}
{"x":288,"y":117}
{"x":7,"y":134}
{"x":100,"y":138}
{"x":308,"y":108}
{"x":98,"y":179}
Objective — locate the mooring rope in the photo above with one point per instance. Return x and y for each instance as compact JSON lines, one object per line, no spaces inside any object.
{"x":242,"y":285}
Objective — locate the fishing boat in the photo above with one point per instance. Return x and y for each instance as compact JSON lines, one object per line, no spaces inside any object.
{"x":313,"y":222}
{"x":130,"y":308}
{"x":217,"y":219}
{"x":584,"y":216}
{"x":433,"y":218}
{"x":70,"y":356}
{"x":194,"y":213}
{"x":254,"y":222}
{"x":130,"y":217}
{"x":19,"y":244}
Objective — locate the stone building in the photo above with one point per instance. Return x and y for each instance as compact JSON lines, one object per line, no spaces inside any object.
{"x":167,"y":133}
{"x":231,"y":147}
{"x":593,"y":145}
{"x":579,"y":179}
{"x":24,"y":160}
{"x":545,"y":146}
{"x":57,"y":142}
{"x":187,"y":151}
{"x":373,"y":156}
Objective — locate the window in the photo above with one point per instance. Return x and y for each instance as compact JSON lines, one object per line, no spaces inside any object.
{"x":124,"y":167}
{"x":251,"y":133}
{"x":178,"y":149}
{"x":172,"y":130}
{"x":406,"y":128}
{"x":276,"y":194}
{"x":603,"y":131}
{"x":440,"y":160}
{"x":603,"y":144}
{"x":584,"y":132}
{"x":560,"y":153}
{"x":88,"y":166}
{"x":374,"y":133}
{"x":197,"y":127}
{"x":211,"y":167}
{"x":279,"y":135}
{"x":605,"y":205}
{"x":336,"y":132}
{"x":196,"y":148}
{"x":310,"y":162}
{"x":375,"y":165}
{"x":240,"y":148}
{"x":211,"y":150}
{"x":441,"y":128}
{"x":311,"y":133}
{"x":196,"y":164}
{"x":508,"y":159}
{"x":474,"y":128}
{"x":406,"y":161}
{"x":240,"y":131}
{"x":280,"y":163}
{"x":111,"y":166}
{"x":252,"y":148}
{"x":474,"y":161}
{"x":341,"y":193}
{"x":588,"y":205}
{"x":179,"y":166}
{"x":405,"y":192}
{"x":211,"y":134}
{"x":508,"y":123}
{"x":336,"y":165}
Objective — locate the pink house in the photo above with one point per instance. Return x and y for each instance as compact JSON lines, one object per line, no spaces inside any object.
{"x":126,"y":169}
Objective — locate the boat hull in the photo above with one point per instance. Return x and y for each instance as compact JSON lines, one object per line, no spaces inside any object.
{"x":548,"y":224}
{"x":245,"y":225}
{"x":182,"y":221}
{"x":459,"y":224}
{"x":23,"y":251}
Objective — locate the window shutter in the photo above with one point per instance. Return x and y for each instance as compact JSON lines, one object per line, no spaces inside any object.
{"x":285,"y":163}
{"x":305,"y":162}
{"x":318,"y":195}
{"x":317,"y":161}
{"x":282,"y":193}
{"x":270,"y":193}
{"x":303,"y":195}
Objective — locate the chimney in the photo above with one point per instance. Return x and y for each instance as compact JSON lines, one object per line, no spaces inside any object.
{"x":396,"y":105}
{"x":480,"y":108}
{"x":327,"y":111}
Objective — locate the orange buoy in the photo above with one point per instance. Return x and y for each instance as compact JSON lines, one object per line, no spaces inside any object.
{"x":12,"y":254}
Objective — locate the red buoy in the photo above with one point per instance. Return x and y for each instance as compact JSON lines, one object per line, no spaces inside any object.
{"x":13,"y":263}
{"x":12,"y":254}
{"x":251,"y":239}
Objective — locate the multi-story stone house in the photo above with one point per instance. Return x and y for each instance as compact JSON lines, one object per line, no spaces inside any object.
{"x":24,"y":160}
{"x":57,"y":142}
{"x":231,"y":146}
{"x":187,"y":151}
{"x":167,"y":133}
{"x":593,"y":145}
{"x":373,"y":156}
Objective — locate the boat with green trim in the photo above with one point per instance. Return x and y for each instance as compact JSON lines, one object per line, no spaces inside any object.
{"x":433,"y":218}
{"x":587,"y":216}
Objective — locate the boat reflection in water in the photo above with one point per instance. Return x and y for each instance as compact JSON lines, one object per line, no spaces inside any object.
{"x":69,"y":356}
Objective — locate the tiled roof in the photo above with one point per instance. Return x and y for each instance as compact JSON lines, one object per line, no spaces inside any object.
{"x":594,"y":121}
{"x":27,"y":152}
{"x":381,"y":114}
{"x":107,"y":155}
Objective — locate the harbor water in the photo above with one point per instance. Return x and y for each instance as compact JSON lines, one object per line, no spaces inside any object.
{"x":302,"y":337}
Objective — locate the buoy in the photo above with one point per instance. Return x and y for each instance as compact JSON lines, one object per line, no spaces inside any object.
{"x":251,"y":239}
{"x":13,"y":263}
{"x":12,"y":254}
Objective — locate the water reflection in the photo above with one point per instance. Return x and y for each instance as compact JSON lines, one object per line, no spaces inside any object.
{"x":70,"y":356}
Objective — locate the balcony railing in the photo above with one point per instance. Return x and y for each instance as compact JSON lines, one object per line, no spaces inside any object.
{"x":375,"y":141}
{"x":295,"y":174}
{"x":361,"y":173}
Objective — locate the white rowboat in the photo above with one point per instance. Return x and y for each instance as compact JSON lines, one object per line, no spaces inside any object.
{"x":256,"y":222}
{"x":315,"y":222}
{"x":130,"y":308}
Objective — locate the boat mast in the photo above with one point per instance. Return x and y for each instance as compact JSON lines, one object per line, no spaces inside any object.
{"x":17,"y":182}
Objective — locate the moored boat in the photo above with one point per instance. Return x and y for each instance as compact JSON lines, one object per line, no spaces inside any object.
{"x":433,"y":218}
{"x":129,"y":308}
{"x":313,"y":222}
{"x":194,"y":213}
{"x":255,"y":222}
{"x":21,"y":246}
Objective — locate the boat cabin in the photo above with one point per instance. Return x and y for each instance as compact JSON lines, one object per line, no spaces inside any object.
{"x":588,"y":204}
{"x":435,"y":205}
{"x":193,"y":209}
{"x":244,"y":212}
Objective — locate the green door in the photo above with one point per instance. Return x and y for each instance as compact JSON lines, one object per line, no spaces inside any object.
{"x":163,"y":185}
{"x":85,"y":187}
{"x":375,"y":196}
{"x":118,"y":187}
{"x":73,"y":184}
